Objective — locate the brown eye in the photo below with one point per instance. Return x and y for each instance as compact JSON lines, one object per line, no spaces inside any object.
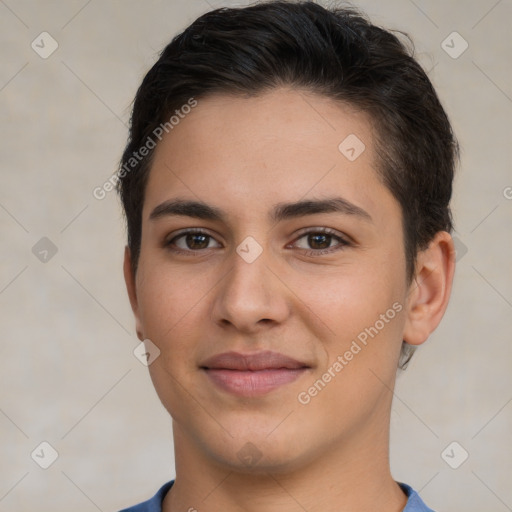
{"x":196,"y":241}
{"x":319,"y":241}
{"x":322,"y":240}
{"x":190,"y":241}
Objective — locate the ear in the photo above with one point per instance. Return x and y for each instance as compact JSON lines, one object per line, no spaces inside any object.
{"x":129,"y":279}
{"x":430,"y":289}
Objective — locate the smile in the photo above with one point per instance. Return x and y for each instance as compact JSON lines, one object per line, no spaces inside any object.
{"x":252,"y":374}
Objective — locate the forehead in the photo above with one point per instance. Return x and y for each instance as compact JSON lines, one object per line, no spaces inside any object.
{"x":278,"y":146}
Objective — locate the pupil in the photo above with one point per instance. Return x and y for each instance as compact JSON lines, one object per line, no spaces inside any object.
{"x":319,"y":241}
{"x":192,"y":239}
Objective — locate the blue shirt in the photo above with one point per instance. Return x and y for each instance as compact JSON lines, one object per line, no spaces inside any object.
{"x":414,"y":502}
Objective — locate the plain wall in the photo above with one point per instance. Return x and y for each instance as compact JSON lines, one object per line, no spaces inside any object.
{"x":68,"y":374}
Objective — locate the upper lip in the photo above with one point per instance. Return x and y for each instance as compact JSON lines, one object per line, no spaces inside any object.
{"x":263,"y":360}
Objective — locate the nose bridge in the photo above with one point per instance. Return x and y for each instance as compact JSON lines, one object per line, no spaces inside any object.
{"x":249,"y":293}
{"x":248,"y":280}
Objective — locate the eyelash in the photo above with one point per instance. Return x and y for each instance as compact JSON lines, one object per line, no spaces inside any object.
{"x":342,"y":242}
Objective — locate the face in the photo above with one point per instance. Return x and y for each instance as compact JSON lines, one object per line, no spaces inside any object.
{"x":272,"y":279}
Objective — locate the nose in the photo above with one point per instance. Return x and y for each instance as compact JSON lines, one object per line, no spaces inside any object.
{"x":251,"y":296}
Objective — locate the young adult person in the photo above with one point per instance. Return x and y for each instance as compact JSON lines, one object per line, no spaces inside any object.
{"x":286,"y":186}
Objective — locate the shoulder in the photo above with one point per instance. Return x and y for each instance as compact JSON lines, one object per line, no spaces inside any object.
{"x":414,"y":502}
{"x":154,"y":504}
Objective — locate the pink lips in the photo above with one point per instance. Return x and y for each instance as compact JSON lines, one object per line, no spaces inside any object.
{"x":252,"y":374}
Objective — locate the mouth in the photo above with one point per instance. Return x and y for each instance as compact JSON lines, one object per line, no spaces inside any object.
{"x":254,"y":374}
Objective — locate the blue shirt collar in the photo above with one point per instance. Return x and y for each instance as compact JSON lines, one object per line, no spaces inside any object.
{"x":414,"y":502}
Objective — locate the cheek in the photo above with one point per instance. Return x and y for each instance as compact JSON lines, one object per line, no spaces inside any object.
{"x":169,"y":298}
{"x":348,"y":299}
{"x":171,"y":308}
{"x":364,"y":314}
{"x":362,"y":310}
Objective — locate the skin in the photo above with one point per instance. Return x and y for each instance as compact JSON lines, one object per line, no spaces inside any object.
{"x":243,"y":156}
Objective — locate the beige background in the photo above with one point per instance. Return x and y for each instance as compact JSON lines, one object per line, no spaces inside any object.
{"x":68,"y":375}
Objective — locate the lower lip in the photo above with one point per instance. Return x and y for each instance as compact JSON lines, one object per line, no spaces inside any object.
{"x":253,"y":383}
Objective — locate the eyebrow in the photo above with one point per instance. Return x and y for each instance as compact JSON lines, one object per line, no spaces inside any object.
{"x":280,"y":211}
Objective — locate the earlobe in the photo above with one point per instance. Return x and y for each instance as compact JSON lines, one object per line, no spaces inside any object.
{"x":131,"y":288}
{"x":430,"y":290}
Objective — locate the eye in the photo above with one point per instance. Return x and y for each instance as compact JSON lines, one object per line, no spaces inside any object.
{"x":314,"y":242}
{"x":320,"y":241}
{"x":192,"y":240}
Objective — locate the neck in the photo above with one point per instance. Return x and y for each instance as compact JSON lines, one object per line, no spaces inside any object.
{"x":353,"y":477}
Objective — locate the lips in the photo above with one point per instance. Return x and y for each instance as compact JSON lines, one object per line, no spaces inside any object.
{"x":253,"y":362}
{"x":252,"y":374}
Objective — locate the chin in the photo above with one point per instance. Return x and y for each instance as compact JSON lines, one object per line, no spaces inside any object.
{"x":253,"y":452}
{"x":249,"y":459}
